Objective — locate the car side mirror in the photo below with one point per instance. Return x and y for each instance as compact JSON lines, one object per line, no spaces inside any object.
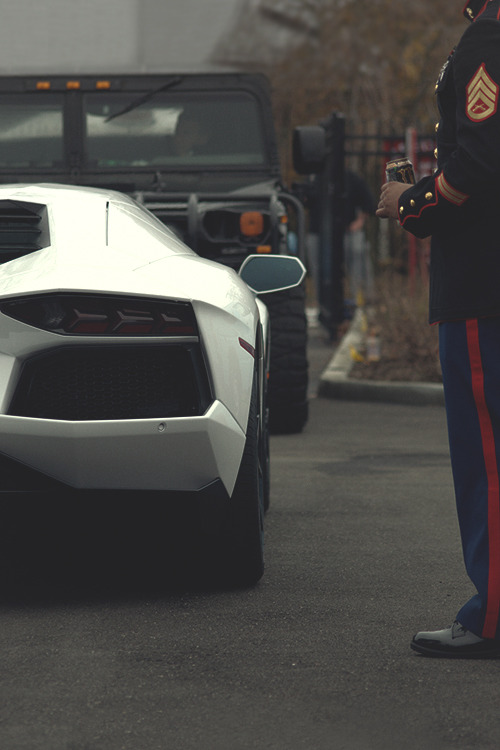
{"x":272,"y":273}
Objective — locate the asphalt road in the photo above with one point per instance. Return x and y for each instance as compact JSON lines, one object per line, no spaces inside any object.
{"x":362,"y":550}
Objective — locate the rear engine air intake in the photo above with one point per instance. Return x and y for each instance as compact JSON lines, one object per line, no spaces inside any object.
{"x":113,"y":382}
{"x":23,"y":229}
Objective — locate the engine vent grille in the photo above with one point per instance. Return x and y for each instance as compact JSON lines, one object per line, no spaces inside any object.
{"x":23,"y":229}
{"x":103,"y":383}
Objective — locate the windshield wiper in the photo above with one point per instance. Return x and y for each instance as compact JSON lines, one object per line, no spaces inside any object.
{"x":145,"y":98}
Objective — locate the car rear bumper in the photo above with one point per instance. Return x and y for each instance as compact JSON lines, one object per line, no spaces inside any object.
{"x":181,"y":454}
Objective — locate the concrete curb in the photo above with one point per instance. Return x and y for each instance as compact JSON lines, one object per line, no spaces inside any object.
{"x":336,"y":383}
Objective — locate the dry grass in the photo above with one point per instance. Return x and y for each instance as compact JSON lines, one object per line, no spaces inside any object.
{"x":408,"y":344}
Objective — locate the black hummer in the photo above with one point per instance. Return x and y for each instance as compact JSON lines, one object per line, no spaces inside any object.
{"x":198,"y":150}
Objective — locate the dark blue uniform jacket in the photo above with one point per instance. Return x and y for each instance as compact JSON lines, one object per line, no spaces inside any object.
{"x":459,"y":205}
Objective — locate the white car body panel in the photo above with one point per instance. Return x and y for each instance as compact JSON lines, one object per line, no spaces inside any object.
{"x":103,"y":243}
{"x":173,"y":454}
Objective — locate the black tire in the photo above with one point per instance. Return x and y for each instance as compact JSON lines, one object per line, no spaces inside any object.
{"x":245,"y":529}
{"x":264,"y":447}
{"x":265,"y":462}
{"x":288,"y":372}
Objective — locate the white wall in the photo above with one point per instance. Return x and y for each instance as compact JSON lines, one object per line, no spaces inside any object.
{"x":68,"y":35}
{"x":77,"y":36}
{"x":184,"y":33}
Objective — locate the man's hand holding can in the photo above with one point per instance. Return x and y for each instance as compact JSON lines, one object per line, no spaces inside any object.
{"x":400,"y":176}
{"x":389,"y":199}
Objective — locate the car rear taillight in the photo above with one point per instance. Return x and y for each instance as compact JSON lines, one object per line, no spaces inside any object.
{"x":94,"y":315}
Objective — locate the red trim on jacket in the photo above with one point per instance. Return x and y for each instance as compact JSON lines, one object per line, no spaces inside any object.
{"x":491,"y":466}
{"x":450,"y":193}
{"x":402,"y":221}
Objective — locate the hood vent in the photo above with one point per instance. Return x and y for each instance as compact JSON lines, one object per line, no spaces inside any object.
{"x":23,"y":229}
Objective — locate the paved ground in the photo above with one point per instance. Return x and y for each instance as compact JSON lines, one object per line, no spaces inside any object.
{"x":362,"y":550}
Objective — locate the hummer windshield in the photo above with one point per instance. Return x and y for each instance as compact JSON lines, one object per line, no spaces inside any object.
{"x":119,"y":131}
{"x":172,"y":131}
{"x":31,"y":130}
{"x":166,"y":131}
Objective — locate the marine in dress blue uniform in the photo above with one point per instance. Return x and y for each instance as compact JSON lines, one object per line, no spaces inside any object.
{"x":459,"y":206}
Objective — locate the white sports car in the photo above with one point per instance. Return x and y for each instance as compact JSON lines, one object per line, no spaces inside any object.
{"x":127,"y":362}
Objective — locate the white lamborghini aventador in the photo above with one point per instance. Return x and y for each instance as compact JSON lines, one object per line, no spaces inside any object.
{"x":127,"y":362}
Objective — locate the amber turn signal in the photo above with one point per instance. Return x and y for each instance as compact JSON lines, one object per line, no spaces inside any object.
{"x":251,"y":223}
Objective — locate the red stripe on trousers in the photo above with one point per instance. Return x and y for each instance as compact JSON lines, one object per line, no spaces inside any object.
{"x":490,"y":460}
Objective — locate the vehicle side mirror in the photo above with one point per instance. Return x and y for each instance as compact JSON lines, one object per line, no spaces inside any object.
{"x":309,"y":149}
{"x":272,"y":273}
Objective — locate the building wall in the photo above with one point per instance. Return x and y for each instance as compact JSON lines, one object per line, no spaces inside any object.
{"x":185,"y":32}
{"x":78,"y":36}
{"x":67,"y":35}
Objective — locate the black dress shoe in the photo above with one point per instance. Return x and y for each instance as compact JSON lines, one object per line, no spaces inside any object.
{"x":455,"y":643}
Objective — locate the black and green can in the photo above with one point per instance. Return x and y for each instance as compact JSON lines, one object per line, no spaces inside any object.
{"x":400,"y":170}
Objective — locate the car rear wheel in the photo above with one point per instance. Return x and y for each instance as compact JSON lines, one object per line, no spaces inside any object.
{"x":245,"y":528}
{"x":288,"y":376}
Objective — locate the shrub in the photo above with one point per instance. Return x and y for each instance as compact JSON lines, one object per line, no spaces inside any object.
{"x":408,"y":344}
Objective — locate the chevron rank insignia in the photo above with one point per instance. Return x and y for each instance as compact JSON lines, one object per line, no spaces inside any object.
{"x":482,"y":96}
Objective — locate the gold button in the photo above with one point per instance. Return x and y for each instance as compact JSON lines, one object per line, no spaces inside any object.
{"x":429,"y":196}
{"x":401,"y":210}
{"x":436,"y":153}
{"x":412,"y":203}
{"x":436,"y":127}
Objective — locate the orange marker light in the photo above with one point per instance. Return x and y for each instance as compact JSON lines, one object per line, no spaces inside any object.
{"x":263,"y":248}
{"x":72,"y":84}
{"x":42,"y":85}
{"x":103,"y":85}
{"x":251,"y":223}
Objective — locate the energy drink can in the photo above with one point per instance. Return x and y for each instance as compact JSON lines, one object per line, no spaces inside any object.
{"x":400,"y":170}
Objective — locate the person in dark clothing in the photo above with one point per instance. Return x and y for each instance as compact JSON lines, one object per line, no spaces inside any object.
{"x":358,"y":206}
{"x":458,"y":206}
{"x":358,"y":198}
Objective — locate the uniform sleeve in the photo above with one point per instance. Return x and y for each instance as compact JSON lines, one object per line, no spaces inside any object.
{"x":473,"y":166}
